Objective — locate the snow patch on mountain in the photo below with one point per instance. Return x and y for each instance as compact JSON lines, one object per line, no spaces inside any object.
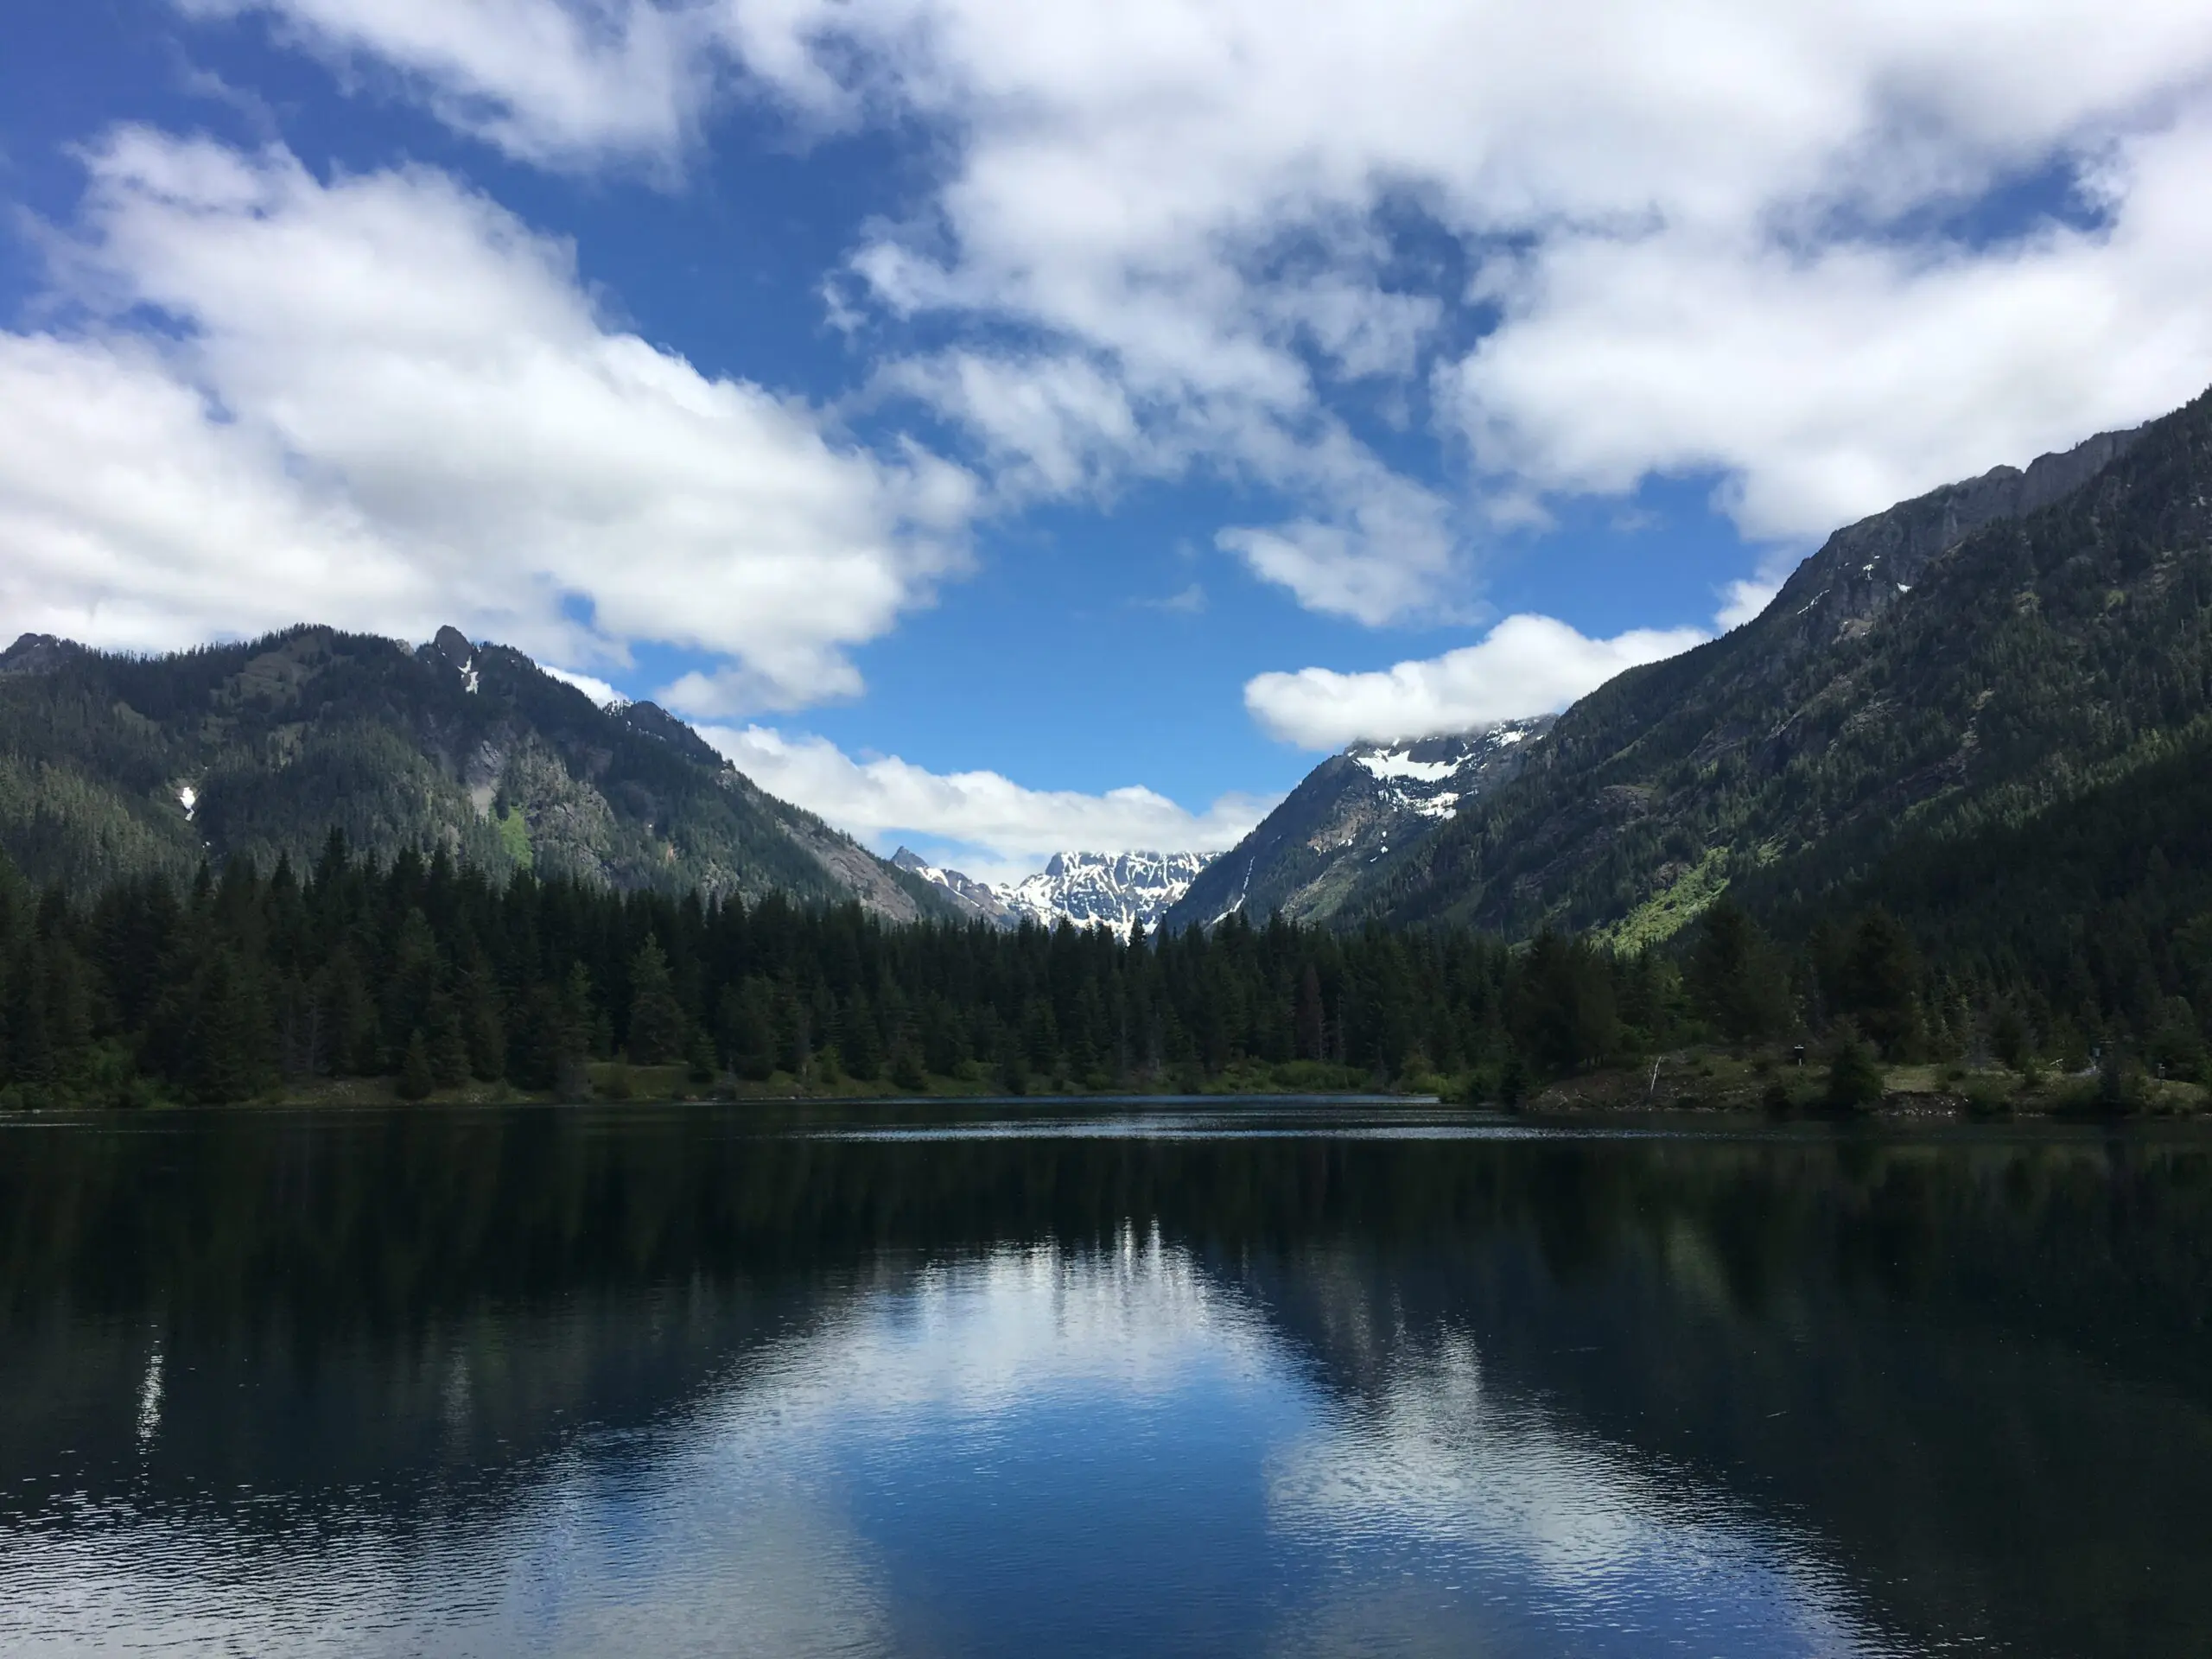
{"x":1400,"y":763}
{"x":1431,"y":777}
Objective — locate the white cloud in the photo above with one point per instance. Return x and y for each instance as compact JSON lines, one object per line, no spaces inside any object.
{"x":1012,"y":829}
{"x":1525,"y":665}
{"x":590,"y":685}
{"x":547,"y":82}
{"x":1746,"y":597}
{"x":1697,"y":228}
{"x":130,"y":515}
{"x":1705,"y":233}
{"x":389,"y":404}
{"x":1830,"y":384}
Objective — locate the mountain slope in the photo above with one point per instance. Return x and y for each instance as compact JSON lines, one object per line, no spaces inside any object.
{"x":976,"y":900}
{"x":111,"y":764}
{"x":1958,"y":663}
{"x":1305,"y":857}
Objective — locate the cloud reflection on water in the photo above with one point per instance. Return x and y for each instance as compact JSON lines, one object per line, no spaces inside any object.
{"x":836,"y":1487}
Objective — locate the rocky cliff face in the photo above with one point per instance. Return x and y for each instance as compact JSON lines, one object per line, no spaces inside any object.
{"x":1865,"y":568}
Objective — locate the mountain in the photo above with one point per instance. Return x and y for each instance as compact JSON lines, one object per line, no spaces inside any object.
{"x":976,"y":900}
{"x":1305,"y":857}
{"x":1949,"y":673}
{"x":113,"y":764}
{"x":1116,"y":890}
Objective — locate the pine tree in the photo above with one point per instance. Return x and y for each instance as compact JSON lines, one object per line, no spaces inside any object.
{"x":859,"y":1046}
{"x":1308,"y":1017}
{"x":748,"y":1033}
{"x":227,"y":1041}
{"x":658,"y":1031}
{"x":1880,"y":984}
{"x":447,"y":1041}
{"x":1736,"y":981}
{"x":415,"y":1077}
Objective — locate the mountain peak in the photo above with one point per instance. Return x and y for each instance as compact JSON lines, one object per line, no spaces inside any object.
{"x":1370,"y":802}
{"x":1113,"y":890}
{"x":38,"y":653}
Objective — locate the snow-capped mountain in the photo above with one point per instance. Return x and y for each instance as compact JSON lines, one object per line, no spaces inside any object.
{"x":1430,"y":777}
{"x":1116,"y":890}
{"x":973,"y":898}
{"x":1351,"y":813}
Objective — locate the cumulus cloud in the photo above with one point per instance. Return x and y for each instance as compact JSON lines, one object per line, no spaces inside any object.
{"x":547,"y":82}
{"x":590,"y":685}
{"x":1525,"y":665}
{"x":1701,"y":240}
{"x":388,"y":402}
{"x":1828,"y":385}
{"x":1012,"y":829}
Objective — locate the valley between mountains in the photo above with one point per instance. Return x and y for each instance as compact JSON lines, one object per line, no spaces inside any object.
{"x":1960,"y":769}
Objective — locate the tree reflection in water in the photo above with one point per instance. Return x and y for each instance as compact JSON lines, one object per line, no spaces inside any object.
{"x":727,"y":1379}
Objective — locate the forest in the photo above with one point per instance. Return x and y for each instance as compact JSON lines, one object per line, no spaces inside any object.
{"x":439,"y":977}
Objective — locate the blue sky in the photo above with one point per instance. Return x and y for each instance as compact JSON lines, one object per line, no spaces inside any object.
{"x":1004,"y":428}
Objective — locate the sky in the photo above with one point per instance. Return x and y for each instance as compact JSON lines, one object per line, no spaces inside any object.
{"x":1002,"y":427}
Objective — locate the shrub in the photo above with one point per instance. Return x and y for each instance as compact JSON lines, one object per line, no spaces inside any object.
{"x":1854,"y":1081}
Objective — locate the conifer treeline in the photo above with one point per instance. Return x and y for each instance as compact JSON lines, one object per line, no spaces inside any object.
{"x":436,"y":975}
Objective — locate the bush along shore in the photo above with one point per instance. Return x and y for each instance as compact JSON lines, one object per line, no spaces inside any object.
{"x":424,"y":979}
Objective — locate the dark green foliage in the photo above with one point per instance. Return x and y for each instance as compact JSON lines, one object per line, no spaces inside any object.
{"x":699,"y":1059}
{"x":747,"y":1032}
{"x":473,"y":751}
{"x":416,"y":1080}
{"x":2008,"y":1035}
{"x":433,"y":973}
{"x":1564,"y":1013}
{"x":658,"y":1031}
{"x":1877,"y":984}
{"x":2097,"y":932}
{"x":1738,"y":982}
{"x":1854,"y":1081}
{"x":1949,"y":672}
{"x":224,"y":1040}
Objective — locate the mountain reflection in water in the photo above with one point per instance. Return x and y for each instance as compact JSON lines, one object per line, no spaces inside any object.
{"x":1282,"y":1378}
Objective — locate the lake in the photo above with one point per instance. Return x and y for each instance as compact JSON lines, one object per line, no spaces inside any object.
{"x":1016,"y":1378}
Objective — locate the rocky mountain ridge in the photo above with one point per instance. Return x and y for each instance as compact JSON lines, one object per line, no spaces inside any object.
{"x":113,"y":764}
{"x":1956,"y":665}
{"x":1113,"y":890}
{"x":1350,"y":811}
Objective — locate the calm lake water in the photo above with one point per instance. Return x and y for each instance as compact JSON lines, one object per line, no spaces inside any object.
{"x":1282,"y":1378}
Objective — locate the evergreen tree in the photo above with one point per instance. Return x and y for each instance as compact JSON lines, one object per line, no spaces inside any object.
{"x":1308,"y":1018}
{"x":228,"y":1039}
{"x":447,"y":1041}
{"x":1879,"y":986}
{"x":747,"y":1032}
{"x":416,"y":1079}
{"x":859,"y":1046}
{"x":658,"y":1031}
{"x":1854,"y":1081}
{"x":1736,"y":980}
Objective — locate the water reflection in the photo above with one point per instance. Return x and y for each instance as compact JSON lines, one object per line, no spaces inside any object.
{"x":711,"y":1381}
